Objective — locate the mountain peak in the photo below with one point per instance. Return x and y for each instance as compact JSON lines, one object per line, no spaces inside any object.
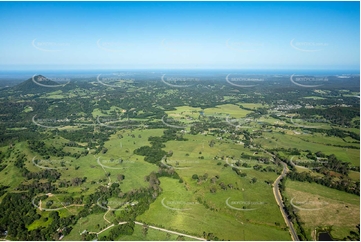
{"x":40,"y":78}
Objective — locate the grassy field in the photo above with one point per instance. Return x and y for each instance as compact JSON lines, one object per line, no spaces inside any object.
{"x":42,"y":222}
{"x":94,"y":168}
{"x":314,"y":98}
{"x":230,"y":109}
{"x":178,"y":208}
{"x":245,"y":210}
{"x":89,"y":223}
{"x":252,"y":105}
{"x":334,"y":208}
{"x":307,"y":142}
{"x":354,"y":175}
{"x":11,"y":176}
{"x":133,"y":166}
{"x":218,"y":111}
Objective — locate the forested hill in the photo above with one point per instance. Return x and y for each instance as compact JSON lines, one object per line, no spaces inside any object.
{"x":36,"y":84}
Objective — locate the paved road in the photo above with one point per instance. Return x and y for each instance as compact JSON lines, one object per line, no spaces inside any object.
{"x":278,"y":197}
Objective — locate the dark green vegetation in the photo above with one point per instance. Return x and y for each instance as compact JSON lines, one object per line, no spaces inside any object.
{"x":88,"y":160}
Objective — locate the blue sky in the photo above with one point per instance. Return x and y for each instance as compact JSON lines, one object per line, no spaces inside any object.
{"x":156,"y":35}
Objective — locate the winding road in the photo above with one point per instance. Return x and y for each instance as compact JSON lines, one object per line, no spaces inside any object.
{"x":278,"y":197}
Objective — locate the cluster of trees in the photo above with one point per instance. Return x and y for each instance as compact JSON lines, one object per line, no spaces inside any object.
{"x":210,"y":236}
{"x":116,"y":231}
{"x":52,"y":175}
{"x":343,"y":184}
{"x":40,"y":148}
{"x":154,"y":153}
{"x":36,"y":186}
{"x":3,"y":189}
{"x":200,"y":177}
{"x":146,"y":100}
{"x":239,"y":172}
{"x":291,"y":213}
{"x":353,"y":236}
{"x":2,"y":167}
{"x":336,"y":115}
{"x":17,"y":212}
